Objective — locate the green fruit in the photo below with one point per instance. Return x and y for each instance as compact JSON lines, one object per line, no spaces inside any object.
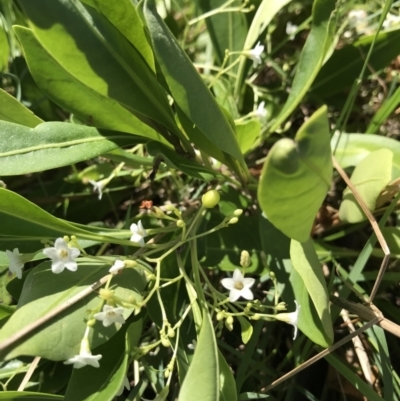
{"x":210,"y":199}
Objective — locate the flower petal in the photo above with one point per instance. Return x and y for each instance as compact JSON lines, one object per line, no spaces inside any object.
{"x":228,"y":283}
{"x":237,"y":275}
{"x":246,"y":293}
{"x":248,"y":282}
{"x":71,"y":265}
{"x":57,"y":266}
{"x":234,"y":295}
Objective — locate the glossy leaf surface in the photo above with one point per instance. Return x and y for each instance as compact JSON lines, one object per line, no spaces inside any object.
{"x":296,"y":177}
{"x":53,"y":144}
{"x":203,"y":368}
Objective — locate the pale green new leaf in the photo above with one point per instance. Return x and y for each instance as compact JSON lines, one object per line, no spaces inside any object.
{"x":227,"y":382}
{"x":13,"y":111}
{"x":305,"y":262}
{"x":369,"y":178}
{"x":203,"y":368}
{"x":296,"y":177}
{"x":247,"y":133}
{"x":350,"y":149}
{"x":60,"y":338}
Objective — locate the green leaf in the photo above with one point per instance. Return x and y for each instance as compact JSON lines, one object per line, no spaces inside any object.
{"x":85,"y":44}
{"x":345,"y":64}
{"x":312,"y":56}
{"x":247,"y":133}
{"x":175,"y":161}
{"x":188,"y":89}
{"x":28,"y":396}
{"x":226,"y":29}
{"x":99,"y":384}
{"x":60,"y":338}
{"x":350,"y":149}
{"x":13,"y":111}
{"x":353,"y":378}
{"x":305,"y":262}
{"x":23,"y":219}
{"x":296,"y":177}
{"x":124,"y":17}
{"x":369,"y":178}
{"x":49,"y":145}
{"x":4,"y":48}
{"x":71,"y":94}
{"x":227,"y":381}
{"x":246,"y":329}
{"x":266,"y":11}
{"x":385,"y":110}
{"x":203,"y":368}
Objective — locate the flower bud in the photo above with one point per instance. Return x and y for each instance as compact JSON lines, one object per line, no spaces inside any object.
{"x":210,"y":199}
{"x":229,"y":320}
{"x":272,"y":275}
{"x":245,"y":260}
{"x":281,"y":306}
{"x":180,"y":223}
{"x":256,"y":316}
{"x":233,"y":220}
{"x":220,"y":316}
{"x":167,"y":373}
{"x":238,"y":212}
{"x":91,"y":322}
{"x":165,"y":342}
{"x":105,"y":294}
{"x":171,"y":332}
{"x":130,"y":263}
{"x":228,"y":326}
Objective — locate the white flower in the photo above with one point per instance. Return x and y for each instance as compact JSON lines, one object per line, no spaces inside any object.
{"x":291,"y":29}
{"x":238,"y":286}
{"x":117,"y":266}
{"x":255,"y":54}
{"x":62,"y":256}
{"x":138,"y":233}
{"x":98,"y":187}
{"x":391,"y":20}
{"x":290,"y":318}
{"x":110,"y":315}
{"x":261,"y":112}
{"x":16,"y":262}
{"x":125,"y":384}
{"x":83,"y":359}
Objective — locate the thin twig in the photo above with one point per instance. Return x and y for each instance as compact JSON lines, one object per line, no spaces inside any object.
{"x":359,"y":349}
{"x":29,"y":373}
{"x":323,"y":353}
{"x":374,"y":225}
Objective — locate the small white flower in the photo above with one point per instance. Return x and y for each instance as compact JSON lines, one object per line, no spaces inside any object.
{"x":291,"y":29}
{"x":391,"y":20}
{"x":138,"y":233}
{"x":255,"y":54}
{"x":238,"y":286}
{"x":98,"y":187}
{"x":16,"y":262}
{"x":117,"y":266}
{"x":83,"y":359}
{"x":62,"y":256}
{"x":261,"y":111}
{"x":290,"y":318}
{"x":110,"y":315}
{"x":125,"y":384}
